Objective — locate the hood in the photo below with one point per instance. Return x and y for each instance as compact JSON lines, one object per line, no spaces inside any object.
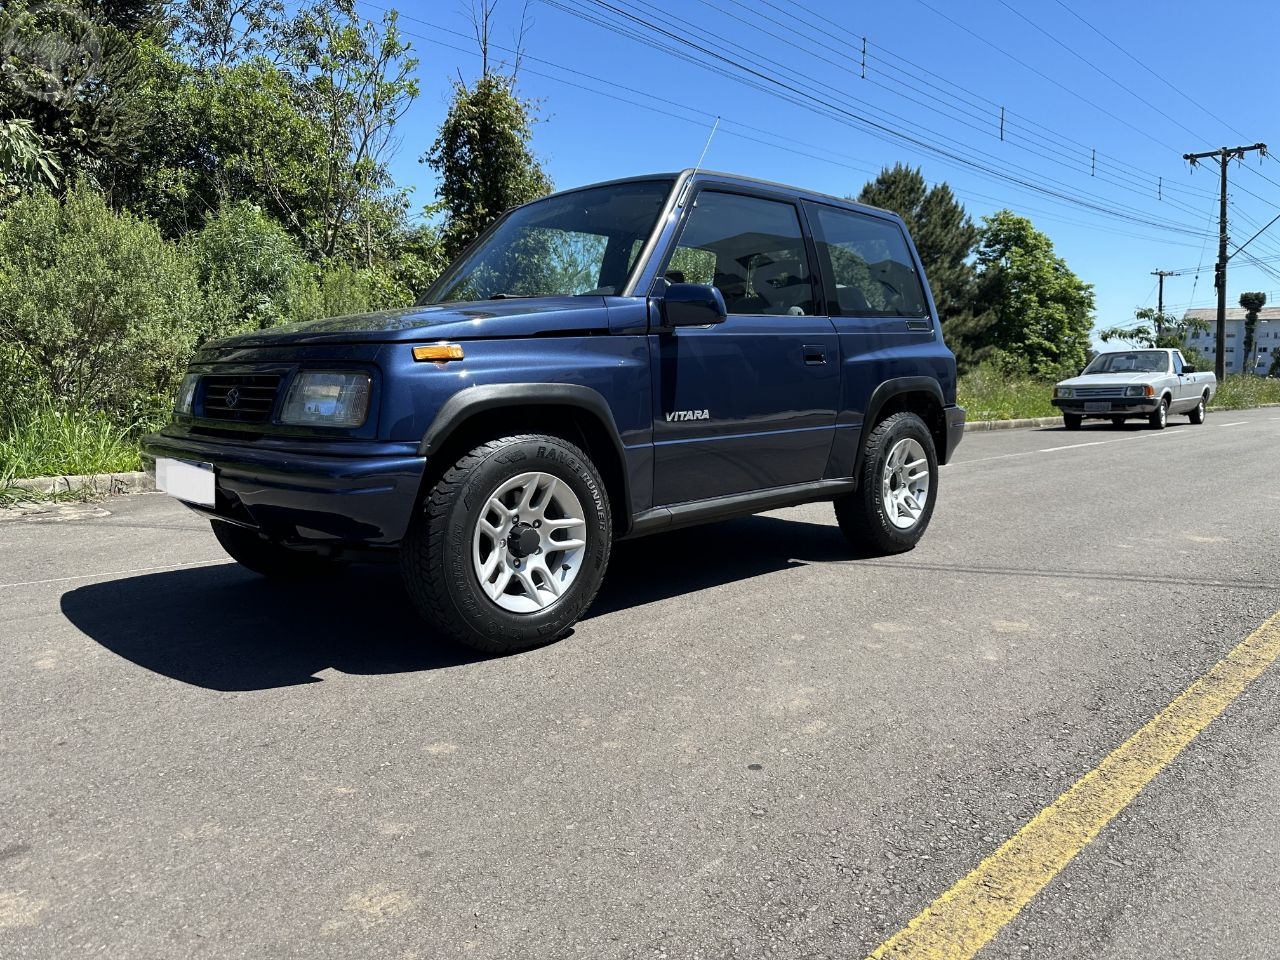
{"x":488,"y":319}
{"x":1112,"y":379}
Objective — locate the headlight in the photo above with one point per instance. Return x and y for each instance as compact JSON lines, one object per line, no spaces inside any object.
{"x":1062,"y":393}
{"x":187,"y":393}
{"x":324,"y":399}
{"x":1133,"y":391}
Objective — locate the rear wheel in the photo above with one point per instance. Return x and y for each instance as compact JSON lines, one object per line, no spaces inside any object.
{"x":510,"y":545}
{"x":1072,"y":421}
{"x":1197,"y":415}
{"x":1159,"y":418}
{"x":269,"y":559}
{"x":897,"y":487}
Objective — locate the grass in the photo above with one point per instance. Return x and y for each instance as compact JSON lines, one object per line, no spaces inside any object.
{"x":989,"y":395}
{"x":1238,"y":392}
{"x":48,"y":442}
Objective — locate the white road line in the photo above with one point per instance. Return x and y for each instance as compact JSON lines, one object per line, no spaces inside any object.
{"x":1234,"y":424}
{"x":118,"y":573}
{"x":1072,"y":446}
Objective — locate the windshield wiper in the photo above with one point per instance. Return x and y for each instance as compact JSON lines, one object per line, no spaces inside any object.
{"x":511,"y":296}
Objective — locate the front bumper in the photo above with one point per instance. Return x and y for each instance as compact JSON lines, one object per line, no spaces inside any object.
{"x":306,"y":495}
{"x":1127,"y":406}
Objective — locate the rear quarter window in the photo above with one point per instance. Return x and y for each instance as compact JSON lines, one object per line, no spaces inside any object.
{"x":869,"y":263}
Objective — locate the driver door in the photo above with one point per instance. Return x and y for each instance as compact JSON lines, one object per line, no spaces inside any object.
{"x":748,"y":404}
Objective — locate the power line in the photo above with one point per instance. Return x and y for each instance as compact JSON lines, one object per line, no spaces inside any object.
{"x":1042,"y":75}
{"x":790,"y":146}
{"x":1194,"y":103}
{"x":793,"y":91}
{"x":1093,"y":66}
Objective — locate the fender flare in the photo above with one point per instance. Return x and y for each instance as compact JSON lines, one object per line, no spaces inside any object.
{"x":885,"y":392}
{"x":478,"y":399}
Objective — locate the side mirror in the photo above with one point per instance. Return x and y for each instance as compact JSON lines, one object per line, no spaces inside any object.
{"x":691,"y":305}
{"x":1188,"y":368}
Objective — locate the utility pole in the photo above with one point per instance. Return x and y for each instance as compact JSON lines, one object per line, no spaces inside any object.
{"x":1160,"y":299}
{"x":1220,"y":269}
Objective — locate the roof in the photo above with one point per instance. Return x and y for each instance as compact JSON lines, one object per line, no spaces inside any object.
{"x":1233,"y":313}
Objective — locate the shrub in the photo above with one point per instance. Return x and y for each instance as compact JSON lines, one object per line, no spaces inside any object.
{"x":253,"y":272}
{"x":96,"y":307}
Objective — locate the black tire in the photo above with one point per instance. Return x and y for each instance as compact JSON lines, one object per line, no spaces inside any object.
{"x":1072,"y":421}
{"x":436,"y":558}
{"x":269,"y":559}
{"x":862,"y":515}
{"x":1198,"y":413}
{"x":1117,"y":421}
{"x":1159,"y":417}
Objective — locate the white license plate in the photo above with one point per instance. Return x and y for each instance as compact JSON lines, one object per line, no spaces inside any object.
{"x":1097,"y":406}
{"x":192,"y":482}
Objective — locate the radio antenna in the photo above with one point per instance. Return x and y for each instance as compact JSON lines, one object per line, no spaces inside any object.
{"x":706,"y":146}
{"x":684,"y":191}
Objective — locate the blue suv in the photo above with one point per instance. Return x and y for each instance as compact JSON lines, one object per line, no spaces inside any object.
{"x":606,"y":362}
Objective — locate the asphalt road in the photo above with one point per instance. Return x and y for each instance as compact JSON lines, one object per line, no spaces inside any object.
{"x":755,"y":745}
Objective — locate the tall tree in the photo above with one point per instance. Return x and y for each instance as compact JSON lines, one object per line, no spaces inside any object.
{"x":306,"y":133}
{"x":482,"y":154}
{"x":944,"y":234}
{"x":1040,"y":312}
{"x":1252,"y":303}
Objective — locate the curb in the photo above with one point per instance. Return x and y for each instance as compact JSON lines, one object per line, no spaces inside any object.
{"x":96,"y":484}
{"x":1011,"y":424}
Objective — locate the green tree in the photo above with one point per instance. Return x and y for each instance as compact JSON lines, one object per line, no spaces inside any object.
{"x":96,"y":308}
{"x":1038,"y":313}
{"x":305,"y":133}
{"x":945,"y":236}
{"x":483,"y":159}
{"x":1252,"y":303}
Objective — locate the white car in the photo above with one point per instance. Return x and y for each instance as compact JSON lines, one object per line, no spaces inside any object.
{"x":1135,"y":383}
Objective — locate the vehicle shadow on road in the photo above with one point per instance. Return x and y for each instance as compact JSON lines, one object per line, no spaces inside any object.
{"x":223,"y":628}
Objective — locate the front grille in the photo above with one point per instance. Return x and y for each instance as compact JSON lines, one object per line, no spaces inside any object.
{"x":1082,"y":392}
{"x":239,"y":397}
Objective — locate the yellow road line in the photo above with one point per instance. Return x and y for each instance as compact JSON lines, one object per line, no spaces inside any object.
{"x":961,"y":921}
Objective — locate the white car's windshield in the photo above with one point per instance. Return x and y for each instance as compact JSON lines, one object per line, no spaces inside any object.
{"x":569,"y":244}
{"x":1131,"y":361}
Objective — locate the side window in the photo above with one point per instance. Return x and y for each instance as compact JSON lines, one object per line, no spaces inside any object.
{"x":868,"y":262}
{"x":1177,"y":363}
{"x":751,"y":249}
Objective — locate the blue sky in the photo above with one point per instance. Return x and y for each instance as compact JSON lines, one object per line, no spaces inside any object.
{"x":1101,"y":100}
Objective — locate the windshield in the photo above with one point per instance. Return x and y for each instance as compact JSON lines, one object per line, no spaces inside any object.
{"x":585,"y":242}
{"x":1132,"y":361}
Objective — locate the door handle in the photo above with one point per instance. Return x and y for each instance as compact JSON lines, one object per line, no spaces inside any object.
{"x":815,"y":353}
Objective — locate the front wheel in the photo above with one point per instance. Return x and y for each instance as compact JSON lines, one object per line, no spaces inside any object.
{"x":1072,"y":421}
{"x":1159,"y":417}
{"x":510,"y":545}
{"x":896,"y":488}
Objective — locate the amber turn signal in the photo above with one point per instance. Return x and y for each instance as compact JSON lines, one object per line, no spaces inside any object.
{"x":438,"y":352}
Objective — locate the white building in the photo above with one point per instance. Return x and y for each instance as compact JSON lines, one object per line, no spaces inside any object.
{"x":1266,"y":338}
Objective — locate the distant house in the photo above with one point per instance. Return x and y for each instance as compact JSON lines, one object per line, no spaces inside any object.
{"x":1266,"y":337}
